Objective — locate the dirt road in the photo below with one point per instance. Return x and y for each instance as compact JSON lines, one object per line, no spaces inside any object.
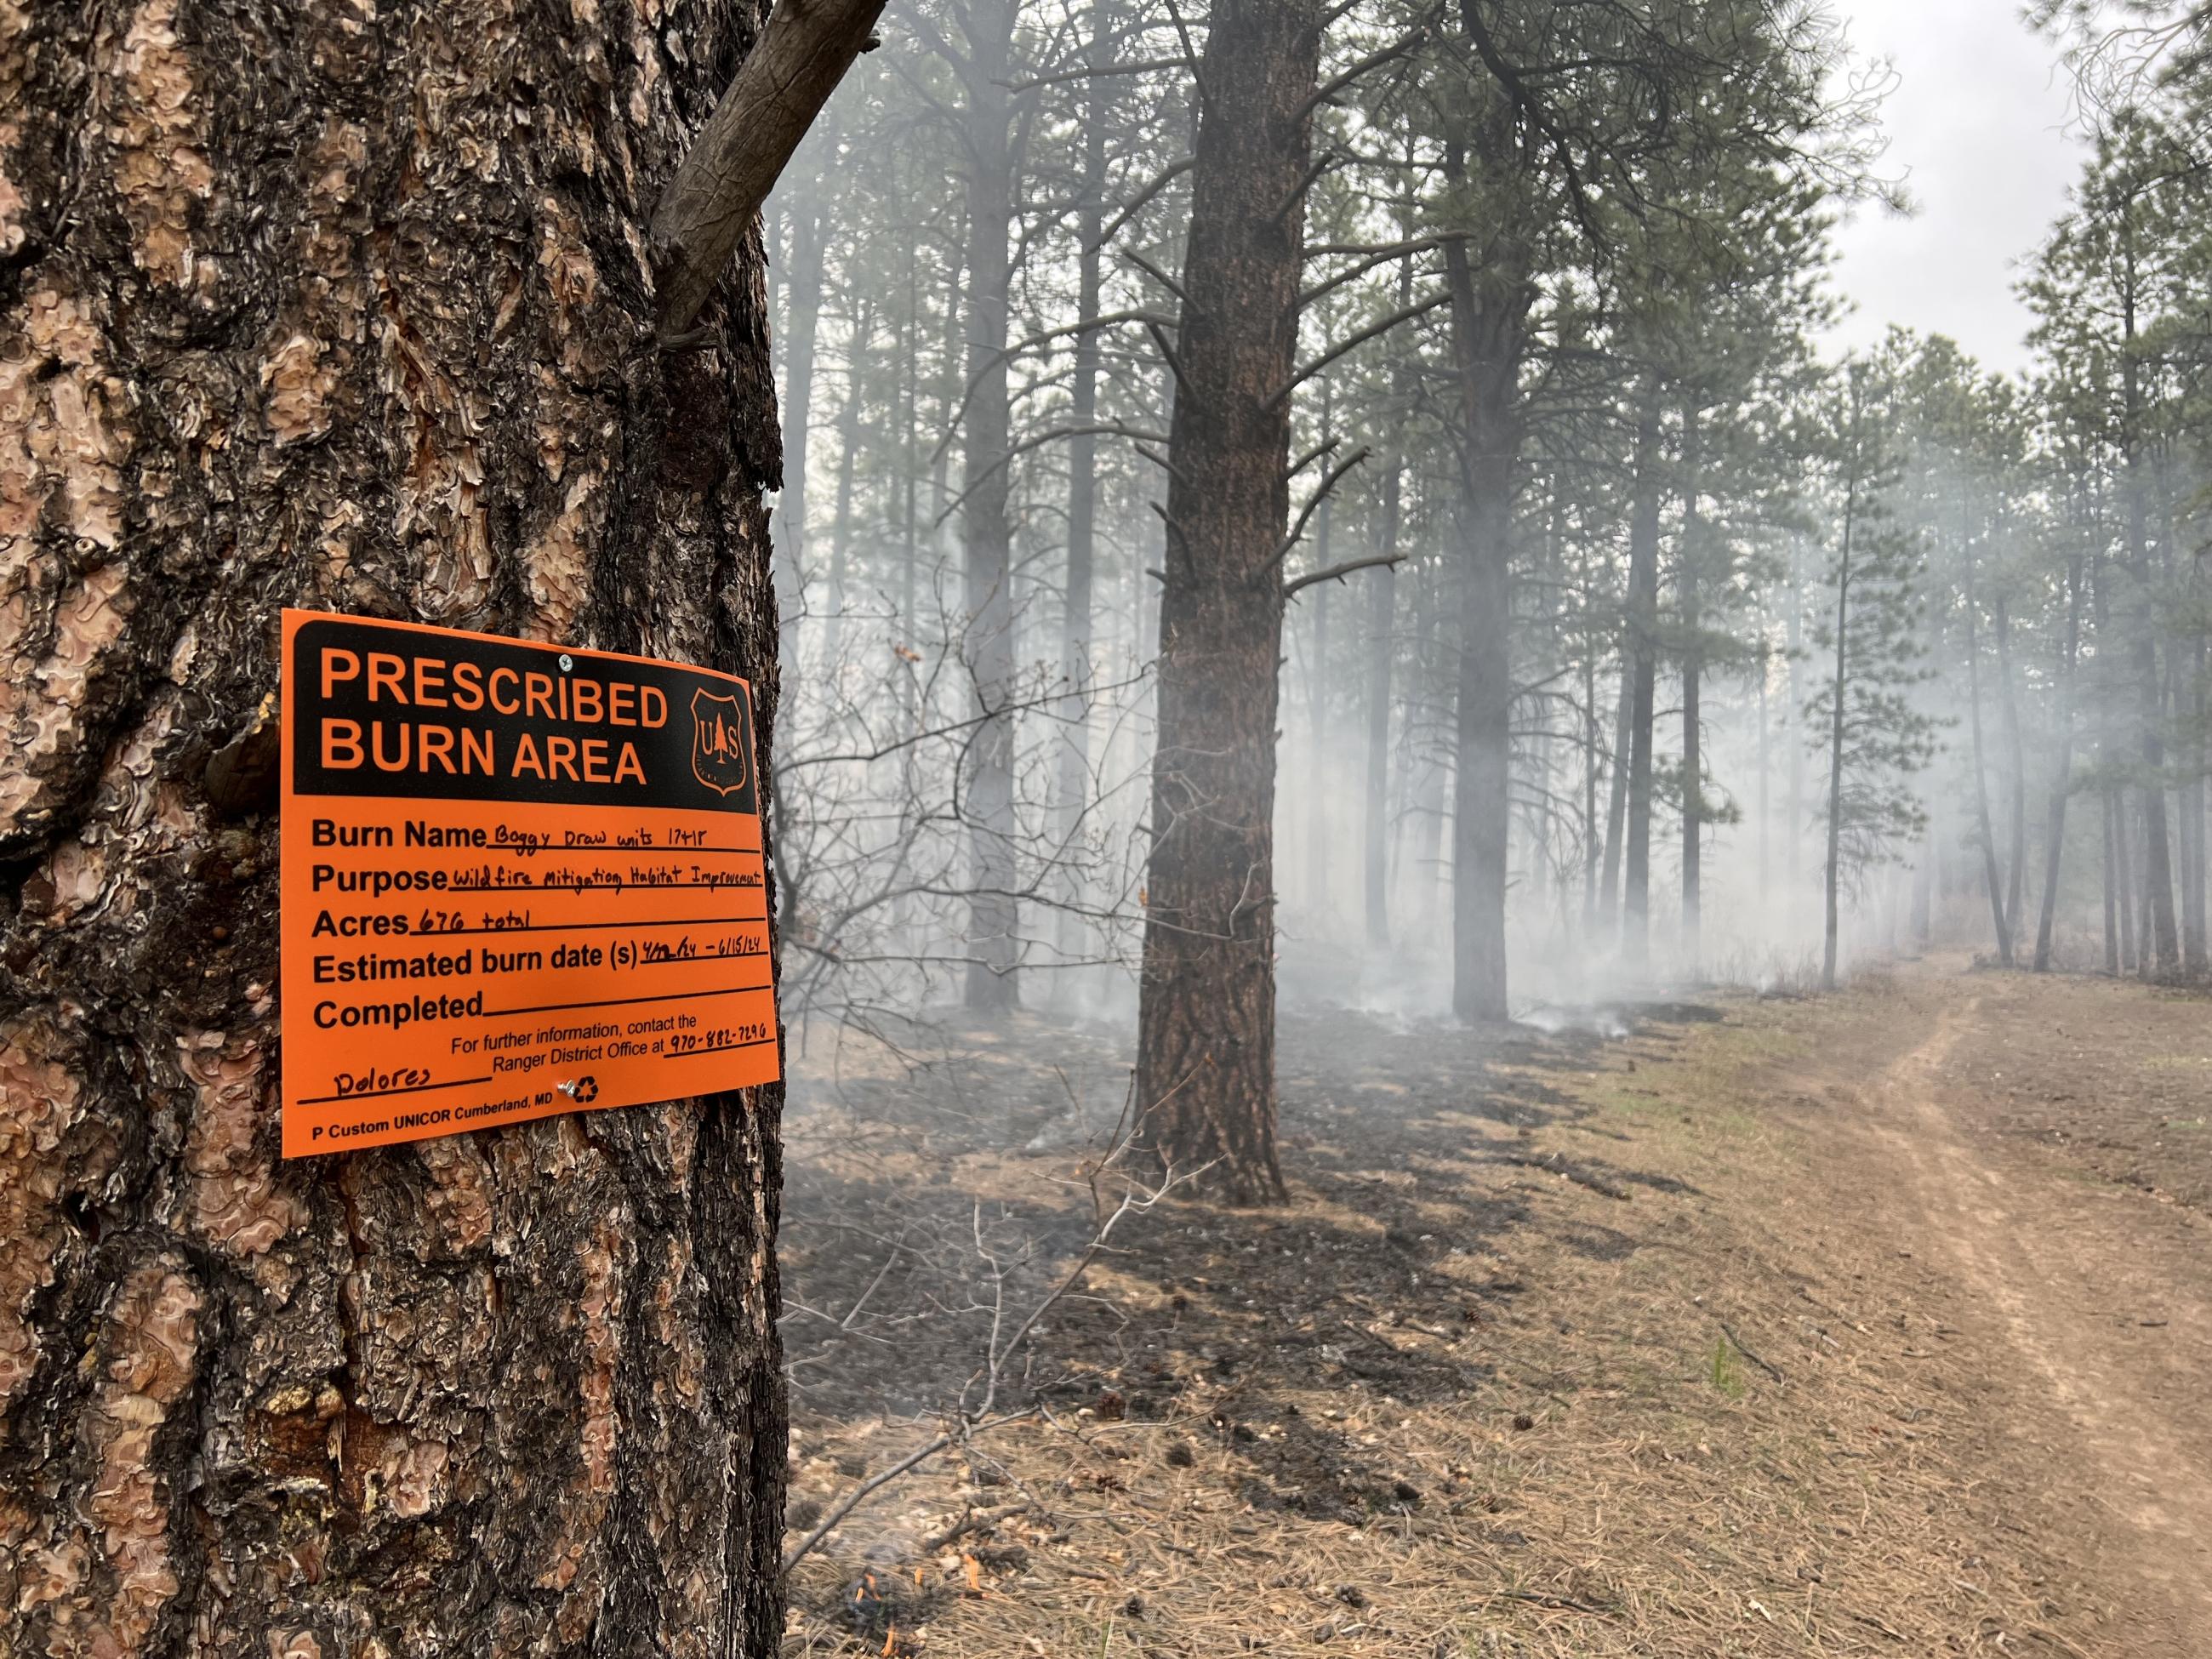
{"x":2018,"y":1149}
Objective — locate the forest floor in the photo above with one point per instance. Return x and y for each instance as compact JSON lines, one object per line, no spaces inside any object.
{"x":1870,"y":1323}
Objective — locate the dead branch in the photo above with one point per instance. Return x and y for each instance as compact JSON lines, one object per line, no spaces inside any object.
{"x":1736,"y":1342}
{"x":1418,"y":309}
{"x":1337,"y":572}
{"x":801,"y":55}
{"x":1321,"y":494}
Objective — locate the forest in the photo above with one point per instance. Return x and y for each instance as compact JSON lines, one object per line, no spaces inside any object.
{"x":1317,"y":863}
{"x":1589,"y":621}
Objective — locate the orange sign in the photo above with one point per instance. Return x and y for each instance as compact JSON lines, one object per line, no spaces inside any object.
{"x":517,"y":880}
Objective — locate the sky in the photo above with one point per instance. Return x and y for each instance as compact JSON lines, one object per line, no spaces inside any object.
{"x":1977,"y":123}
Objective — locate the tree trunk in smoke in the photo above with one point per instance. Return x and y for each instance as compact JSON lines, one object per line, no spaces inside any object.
{"x":1382,"y":621}
{"x":1837,"y":687}
{"x":359,"y":321}
{"x":1489,"y":324}
{"x":2161,"y":942}
{"x":2196,"y":957}
{"x":1693,"y":673}
{"x":1205,"y":1057}
{"x":1765,"y":802}
{"x":1616,"y":810}
{"x":1422,"y":758}
{"x":993,"y":914}
{"x":1593,"y":839}
{"x":2000,"y":920}
{"x":804,"y":303}
{"x":1382,"y":650}
{"x":1793,"y":706}
{"x":2119,"y":895}
{"x":2061,"y":776}
{"x":841,"y":518}
{"x":1644,"y":669}
{"x":1075,"y":668}
{"x":2017,"y":780}
{"x":1318,"y":785}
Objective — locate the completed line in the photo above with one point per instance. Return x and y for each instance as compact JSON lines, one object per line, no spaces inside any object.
{"x":623,"y":1002}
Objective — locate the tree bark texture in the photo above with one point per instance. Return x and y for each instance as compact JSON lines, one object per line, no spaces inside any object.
{"x":349,"y":308}
{"x":1205,"y":1058}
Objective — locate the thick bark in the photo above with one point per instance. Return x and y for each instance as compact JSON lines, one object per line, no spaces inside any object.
{"x":987,"y":535}
{"x":307,"y":310}
{"x":1644,"y":676}
{"x":1488,"y":319}
{"x":1205,"y":1045}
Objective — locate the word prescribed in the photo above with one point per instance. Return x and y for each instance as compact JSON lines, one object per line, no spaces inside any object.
{"x":517,"y":881}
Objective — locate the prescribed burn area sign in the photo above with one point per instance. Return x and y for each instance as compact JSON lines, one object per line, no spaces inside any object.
{"x":517,"y":881}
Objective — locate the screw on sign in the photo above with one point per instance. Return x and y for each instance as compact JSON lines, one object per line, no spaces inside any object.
{"x":583,"y":1090}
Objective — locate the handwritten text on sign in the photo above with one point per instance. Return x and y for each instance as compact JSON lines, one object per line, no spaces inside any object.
{"x":517,"y":881}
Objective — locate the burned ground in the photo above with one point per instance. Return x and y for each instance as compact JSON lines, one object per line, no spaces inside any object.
{"x":1565,"y":1344}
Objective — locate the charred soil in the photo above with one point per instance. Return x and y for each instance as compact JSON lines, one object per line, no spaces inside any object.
{"x":1871,"y":1323}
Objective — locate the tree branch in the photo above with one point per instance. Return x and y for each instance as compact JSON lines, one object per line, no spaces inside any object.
{"x":801,"y":55}
{"x":1359,"y":339}
{"x":1337,"y":572}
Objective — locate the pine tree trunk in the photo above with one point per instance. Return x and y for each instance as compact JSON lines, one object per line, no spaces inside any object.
{"x":1616,"y":809}
{"x":2015,"y":780}
{"x":993,"y":914}
{"x":1206,"y":1041}
{"x":315,"y":309}
{"x":1643,"y":667}
{"x":1382,"y":646}
{"x":1489,"y":321}
{"x":1993,"y":881}
{"x":2061,"y":776}
{"x":1075,"y":643}
{"x":1839,"y":688}
{"x":1693,"y":673}
{"x":801,"y":329}
{"x":2197,"y":957}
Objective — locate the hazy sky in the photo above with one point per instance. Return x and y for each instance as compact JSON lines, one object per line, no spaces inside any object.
{"x":1977,"y":123}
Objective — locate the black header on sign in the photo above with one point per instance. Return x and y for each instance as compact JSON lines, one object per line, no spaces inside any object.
{"x":422,"y":713}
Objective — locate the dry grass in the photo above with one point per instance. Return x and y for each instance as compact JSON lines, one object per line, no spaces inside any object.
{"x":1459,"y":1398}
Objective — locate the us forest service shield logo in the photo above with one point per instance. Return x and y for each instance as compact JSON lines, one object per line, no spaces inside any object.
{"x":718,"y":742}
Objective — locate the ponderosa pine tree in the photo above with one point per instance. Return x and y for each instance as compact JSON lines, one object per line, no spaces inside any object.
{"x":1206,"y":1037}
{"x":1871,"y":737}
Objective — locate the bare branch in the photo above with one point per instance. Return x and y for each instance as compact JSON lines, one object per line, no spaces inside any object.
{"x":1337,"y":572}
{"x":802,"y":53}
{"x":1327,"y":484}
{"x":1418,"y":309}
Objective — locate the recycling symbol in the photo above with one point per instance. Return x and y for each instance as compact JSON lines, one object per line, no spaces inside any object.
{"x":584,"y":1091}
